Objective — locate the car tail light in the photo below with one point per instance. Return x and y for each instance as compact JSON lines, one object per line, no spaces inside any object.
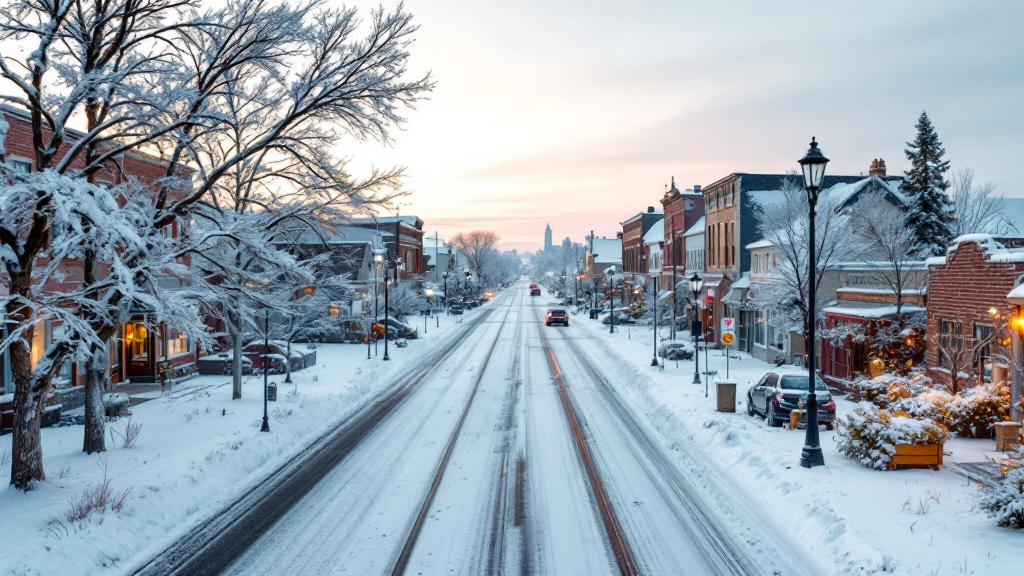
{"x":778,"y":398}
{"x":830,"y":405}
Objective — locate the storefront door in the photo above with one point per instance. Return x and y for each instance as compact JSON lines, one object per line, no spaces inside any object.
{"x":138,"y":345}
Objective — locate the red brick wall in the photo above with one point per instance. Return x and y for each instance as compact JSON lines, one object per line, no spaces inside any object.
{"x":964,"y":289}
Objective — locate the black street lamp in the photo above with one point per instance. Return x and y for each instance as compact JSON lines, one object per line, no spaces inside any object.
{"x":696,"y":283}
{"x":266,"y":367}
{"x":429,"y":295}
{"x":468,"y":274}
{"x":387,"y":283}
{"x":445,"y":276}
{"x":610,"y":272}
{"x":813,"y":167}
{"x":654,"y":362}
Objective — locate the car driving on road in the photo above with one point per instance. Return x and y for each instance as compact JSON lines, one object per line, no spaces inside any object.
{"x":556,"y":316}
{"x":779,"y":392}
{"x":534,"y":290}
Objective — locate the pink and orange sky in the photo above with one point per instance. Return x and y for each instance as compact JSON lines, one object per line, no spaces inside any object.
{"x":578,"y":113}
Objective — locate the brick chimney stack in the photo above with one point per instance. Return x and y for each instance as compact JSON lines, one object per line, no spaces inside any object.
{"x":877,"y":168}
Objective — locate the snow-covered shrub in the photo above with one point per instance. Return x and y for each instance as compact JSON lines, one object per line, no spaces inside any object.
{"x":968,"y":414}
{"x":870,"y":436}
{"x":1003,"y":498}
{"x":674,"y":351}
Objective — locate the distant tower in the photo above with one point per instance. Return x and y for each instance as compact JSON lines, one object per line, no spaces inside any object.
{"x":548,"y":246}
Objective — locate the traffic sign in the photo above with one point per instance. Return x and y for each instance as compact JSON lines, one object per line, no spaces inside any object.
{"x":728,"y":331}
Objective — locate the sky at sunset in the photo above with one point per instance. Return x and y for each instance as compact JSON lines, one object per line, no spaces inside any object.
{"x":578,"y":113}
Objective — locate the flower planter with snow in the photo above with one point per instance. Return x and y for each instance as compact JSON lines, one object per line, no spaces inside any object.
{"x":917,"y":455}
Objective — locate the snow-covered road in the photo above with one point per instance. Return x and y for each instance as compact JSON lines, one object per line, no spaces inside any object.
{"x":513,"y":496}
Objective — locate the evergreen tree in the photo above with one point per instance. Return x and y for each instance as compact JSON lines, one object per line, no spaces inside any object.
{"x":931,"y":210}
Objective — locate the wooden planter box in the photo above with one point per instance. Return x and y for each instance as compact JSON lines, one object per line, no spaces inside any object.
{"x":917,"y":455}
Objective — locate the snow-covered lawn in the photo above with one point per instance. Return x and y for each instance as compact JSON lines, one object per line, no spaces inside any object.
{"x":197,"y":450}
{"x":855,"y":519}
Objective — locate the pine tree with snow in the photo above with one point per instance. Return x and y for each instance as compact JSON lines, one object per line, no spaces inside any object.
{"x":931,"y":210}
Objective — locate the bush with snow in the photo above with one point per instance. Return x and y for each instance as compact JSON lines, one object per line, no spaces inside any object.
{"x":1003,"y":498}
{"x":969,"y":414}
{"x":675,"y":351}
{"x":870,"y":436}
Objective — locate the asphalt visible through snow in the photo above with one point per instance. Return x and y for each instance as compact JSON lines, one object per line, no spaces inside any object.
{"x":510,"y":452}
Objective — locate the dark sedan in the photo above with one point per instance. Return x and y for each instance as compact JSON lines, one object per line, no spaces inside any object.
{"x":779,"y":393}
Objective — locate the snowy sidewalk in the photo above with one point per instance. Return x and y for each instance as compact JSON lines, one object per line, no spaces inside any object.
{"x":197,"y":450}
{"x":857,"y":520}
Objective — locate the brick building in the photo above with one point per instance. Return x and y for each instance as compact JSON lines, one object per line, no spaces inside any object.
{"x":968,"y":308}
{"x":634,"y":228}
{"x":682,"y":210}
{"x":409,"y":248}
{"x":137,"y":349}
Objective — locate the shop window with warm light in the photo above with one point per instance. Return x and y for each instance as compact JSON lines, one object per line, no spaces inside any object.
{"x":177,"y":343}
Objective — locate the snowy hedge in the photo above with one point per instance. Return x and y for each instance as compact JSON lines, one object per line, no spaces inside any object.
{"x":1004,"y":497}
{"x":870,"y":436}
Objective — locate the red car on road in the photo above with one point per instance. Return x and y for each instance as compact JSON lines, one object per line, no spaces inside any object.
{"x":556,"y":316}
{"x":534,"y":290}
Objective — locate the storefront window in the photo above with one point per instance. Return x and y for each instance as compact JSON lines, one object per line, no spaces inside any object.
{"x":759,"y":331}
{"x":983,"y":336}
{"x":177,"y":342}
{"x":951,"y":341}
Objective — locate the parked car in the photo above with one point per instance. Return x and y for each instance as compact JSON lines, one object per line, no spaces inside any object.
{"x":455,"y":308}
{"x":556,"y":316}
{"x":620,"y":318}
{"x":398,"y":329}
{"x":779,"y":392}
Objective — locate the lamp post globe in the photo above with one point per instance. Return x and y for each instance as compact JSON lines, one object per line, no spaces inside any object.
{"x":696,"y":284}
{"x":813,"y":167}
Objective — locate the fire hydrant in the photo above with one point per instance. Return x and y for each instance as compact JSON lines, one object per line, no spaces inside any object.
{"x":794,"y":416}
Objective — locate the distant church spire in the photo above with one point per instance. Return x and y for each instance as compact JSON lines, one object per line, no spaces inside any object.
{"x":547,"y":239}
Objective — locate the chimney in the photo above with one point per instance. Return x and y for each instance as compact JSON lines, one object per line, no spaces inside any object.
{"x":618,"y":234}
{"x":877,"y":168}
{"x":696,"y":188}
{"x":650,"y":209}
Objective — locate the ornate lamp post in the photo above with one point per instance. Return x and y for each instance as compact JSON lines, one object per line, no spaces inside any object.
{"x":696,"y":283}
{"x":445,"y":276}
{"x":429,"y":295}
{"x":610,"y":272}
{"x":654,"y":362}
{"x":813,"y":167}
{"x":266,"y":367}
{"x":387,"y":283}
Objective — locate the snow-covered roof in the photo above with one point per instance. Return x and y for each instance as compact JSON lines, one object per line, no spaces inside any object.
{"x":880,"y":291}
{"x":641,"y":215}
{"x":656,"y":233}
{"x":607,"y":250}
{"x":763,"y":243}
{"x":869,"y":312}
{"x":696,"y":229}
{"x":409,"y":219}
{"x":994,"y":250}
{"x":1017,"y":293}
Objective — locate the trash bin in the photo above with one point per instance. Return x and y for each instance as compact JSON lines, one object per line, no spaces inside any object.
{"x":272,"y":392}
{"x":725,"y":392}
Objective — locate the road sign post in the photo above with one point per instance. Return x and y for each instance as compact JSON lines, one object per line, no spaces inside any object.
{"x":728,"y":337}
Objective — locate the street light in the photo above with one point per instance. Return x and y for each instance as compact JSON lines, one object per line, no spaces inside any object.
{"x":696,"y":283}
{"x":610,"y":272}
{"x":387,"y":284}
{"x":446,"y":310}
{"x":813,"y":167}
{"x":468,"y":274}
{"x":266,"y":367}
{"x":429,"y":295}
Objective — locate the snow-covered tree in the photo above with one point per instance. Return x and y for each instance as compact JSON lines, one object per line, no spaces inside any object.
{"x":978,"y":208}
{"x":243,"y":97}
{"x":930,"y":213}
{"x":890,"y":244}
{"x":478,"y":248}
{"x":782,"y":220}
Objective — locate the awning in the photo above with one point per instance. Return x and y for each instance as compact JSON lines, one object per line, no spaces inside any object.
{"x":868,"y":312}
{"x":737,"y":294}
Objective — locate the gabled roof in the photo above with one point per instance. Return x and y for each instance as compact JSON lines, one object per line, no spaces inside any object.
{"x":607,"y":250}
{"x":656,"y":233}
{"x":697,"y":229}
